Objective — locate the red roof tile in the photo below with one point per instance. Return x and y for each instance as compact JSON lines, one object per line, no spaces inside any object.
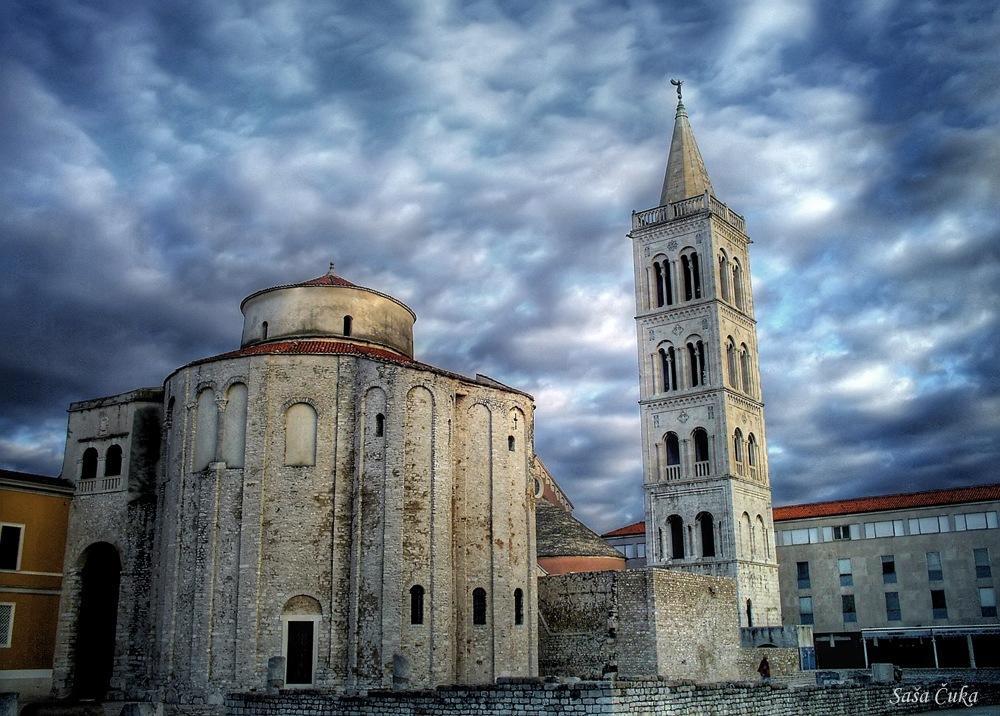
{"x":636,"y":528}
{"x":326,"y":280}
{"x":882,"y":503}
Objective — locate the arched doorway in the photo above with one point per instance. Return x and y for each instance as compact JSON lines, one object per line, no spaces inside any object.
{"x":94,"y":651}
{"x":300,"y":618}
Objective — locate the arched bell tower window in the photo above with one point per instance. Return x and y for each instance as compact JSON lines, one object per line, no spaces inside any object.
{"x":696,"y":356}
{"x":706,"y":526}
{"x":745,"y":367}
{"x":673,"y":447}
{"x":676,"y":527}
{"x":692,"y":275}
{"x":752,"y":450}
{"x":731,"y":361}
{"x":668,"y":366}
{"x":113,"y":461}
{"x":701,"y":456}
{"x":348,"y":325}
{"x":738,"y":285}
{"x":88,"y":466}
{"x":738,"y":445}
{"x":724,"y":276}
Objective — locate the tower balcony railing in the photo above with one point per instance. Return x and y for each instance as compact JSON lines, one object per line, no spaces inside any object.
{"x":99,"y":484}
{"x":741,"y":469}
{"x":702,"y":468}
{"x":687,"y":207}
{"x":753,"y":472}
{"x":672,"y":472}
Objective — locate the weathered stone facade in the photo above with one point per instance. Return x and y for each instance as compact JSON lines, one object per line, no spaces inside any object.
{"x":641,"y":622}
{"x":704,"y":449}
{"x":318,"y":490}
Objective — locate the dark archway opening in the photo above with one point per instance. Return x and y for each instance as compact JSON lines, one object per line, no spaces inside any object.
{"x":94,"y":651}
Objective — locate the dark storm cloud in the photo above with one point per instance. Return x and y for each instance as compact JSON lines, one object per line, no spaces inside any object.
{"x":480,"y":162}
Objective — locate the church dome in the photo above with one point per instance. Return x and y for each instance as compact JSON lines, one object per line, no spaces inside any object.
{"x":328,"y":306}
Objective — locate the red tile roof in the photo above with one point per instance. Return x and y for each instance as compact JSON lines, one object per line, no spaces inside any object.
{"x":876,"y":503}
{"x":882,"y":503}
{"x":636,"y":528}
{"x":327,"y":279}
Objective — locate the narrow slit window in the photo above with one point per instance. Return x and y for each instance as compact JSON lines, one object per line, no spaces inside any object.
{"x":510,"y":443}
{"x":416,"y":604}
{"x":263,"y":331}
{"x":518,"y":606}
{"x":478,"y":606}
{"x":379,"y":425}
{"x":348,"y":325}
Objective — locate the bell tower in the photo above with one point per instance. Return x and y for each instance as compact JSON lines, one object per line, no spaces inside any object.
{"x":704,"y":450}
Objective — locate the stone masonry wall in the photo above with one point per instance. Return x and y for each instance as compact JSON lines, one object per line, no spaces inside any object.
{"x":604,"y":697}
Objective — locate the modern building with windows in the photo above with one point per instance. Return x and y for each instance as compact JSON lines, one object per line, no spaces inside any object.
{"x":33,"y":514}
{"x":907,"y":578}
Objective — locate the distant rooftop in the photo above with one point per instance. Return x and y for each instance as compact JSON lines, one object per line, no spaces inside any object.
{"x":29,"y":479}
{"x":855,"y":505}
{"x":883,"y":503}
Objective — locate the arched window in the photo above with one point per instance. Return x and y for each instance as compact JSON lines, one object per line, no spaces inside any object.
{"x":738,"y":284}
{"x":379,"y":425}
{"x":668,"y":364}
{"x":658,"y":277}
{"x":416,"y":604}
{"x":760,"y":537}
{"x":746,"y":534}
{"x":745,"y":367}
{"x":348,"y":324}
{"x":738,"y":445}
{"x":206,"y":430}
{"x":696,"y":274}
{"x":688,"y":282}
{"x":731,"y":361}
{"x":752,"y":450}
{"x":707,"y":528}
{"x":263,"y":331}
{"x":113,"y":461}
{"x":724,"y":276}
{"x":701,"y":467}
{"x":518,"y":606}
{"x":676,"y":525}
{"x":234,"y":426}
{"x":88,"y":466}
{"x":300,"y":434}
{"x":510,"y":443}
{"x":696,"y":355}
{"x":673,"y":449}
{"x":478,"y":605}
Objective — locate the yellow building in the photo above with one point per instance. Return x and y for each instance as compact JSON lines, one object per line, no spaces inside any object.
{"x":33,"y":515}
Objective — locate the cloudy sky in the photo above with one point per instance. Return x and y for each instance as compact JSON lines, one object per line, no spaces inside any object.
{"x":161,"y":160}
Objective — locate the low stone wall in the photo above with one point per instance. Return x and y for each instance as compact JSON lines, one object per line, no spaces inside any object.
{"x":621,"y":697}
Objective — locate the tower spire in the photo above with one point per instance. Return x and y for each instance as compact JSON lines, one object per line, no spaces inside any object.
{"x":686,"y":175}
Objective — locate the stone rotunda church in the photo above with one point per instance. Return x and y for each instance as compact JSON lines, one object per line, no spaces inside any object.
{"x":320,"y":495}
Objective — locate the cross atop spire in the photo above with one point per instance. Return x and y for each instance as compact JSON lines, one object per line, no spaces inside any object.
{"x":686,"y":175}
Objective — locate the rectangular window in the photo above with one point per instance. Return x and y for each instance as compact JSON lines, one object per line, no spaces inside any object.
{"x":892,"y":611}
{"x":629,"y":551}
{"x":928,"y":525}
{"x":934,"y":571}
{"x":939,"y":606}
{"x":802,"y":570}
{"x":806,"y":535}
{"x":976,"y":521}
{"x":885,"y":528}
{"x":982,"y":557}
{"x":888,"y":569}
{"x":988,"y":601}
{"x":6,"y":625}
{"x":847,"y":604}
{"x":844,"y":532}
{"x":10,"y":546}
{"x":640,"y":550}
{"x":806,"y":610}
{"x":846,"y":573}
